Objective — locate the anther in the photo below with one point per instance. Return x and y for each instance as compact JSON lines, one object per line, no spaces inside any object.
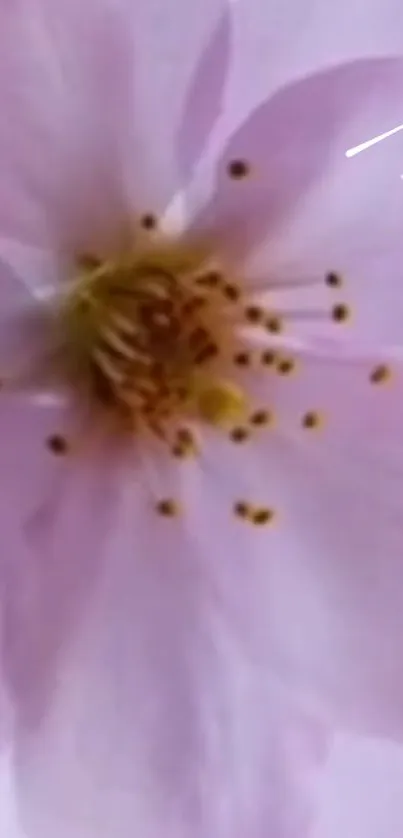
{"x":262,"y":516}
{"x":168,"y":508}
{"x":380,"y":374}
{"x":57,"y":444}
{"x":238,"y":169}
{"x":340,"y":313}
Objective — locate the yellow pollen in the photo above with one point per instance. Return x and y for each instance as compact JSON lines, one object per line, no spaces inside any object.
{"x":222,"y":403}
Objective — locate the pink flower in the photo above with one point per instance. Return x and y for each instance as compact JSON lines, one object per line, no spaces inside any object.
{"x":202,"y":409}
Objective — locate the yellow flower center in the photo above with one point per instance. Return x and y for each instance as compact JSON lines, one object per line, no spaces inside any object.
{"x":150,"y":336}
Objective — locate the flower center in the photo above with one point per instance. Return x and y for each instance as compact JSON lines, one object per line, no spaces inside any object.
{"x":149,"y":336}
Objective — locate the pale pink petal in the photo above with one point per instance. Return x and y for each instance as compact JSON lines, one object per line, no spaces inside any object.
{"x":67,"y":92}
{"x":279,"y":42}
{"x":29,"y":277}
{"x":361,"y":790}
{"x":204,"y":101}
{"x":182,"y":59}
{"x":328,"y":614}
{"x":306,"y":209}
{"x":101,"y":104}
{"x":137,"y":701}
{"x":48,"y":572}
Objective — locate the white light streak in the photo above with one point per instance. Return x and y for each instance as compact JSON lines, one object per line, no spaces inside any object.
{"x":351,"y":152}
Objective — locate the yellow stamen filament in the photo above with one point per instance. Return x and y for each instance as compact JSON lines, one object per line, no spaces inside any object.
{"x":147,"y":334}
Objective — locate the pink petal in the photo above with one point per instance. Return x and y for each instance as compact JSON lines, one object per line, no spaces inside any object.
{"x":205,"y":98}
{"x":329,"y":614}
{"x":28,"y":276}
{"x":361,"y":791}
{"x":155,"y":716}
{"x":181,"y":65}
{"x":279,"y":42}
{"x":100,"y":103}
{"x":306,"y":209}
{"x":66,"y":76}
{"x":47,"y":578}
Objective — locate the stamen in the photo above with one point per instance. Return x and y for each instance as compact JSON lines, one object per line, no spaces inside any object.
{"x":112,"y":339}
{"x":149,"y":344}
{"x":111,"y":371}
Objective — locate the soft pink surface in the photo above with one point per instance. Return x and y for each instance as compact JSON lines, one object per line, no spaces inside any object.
{"x":193,"y":678}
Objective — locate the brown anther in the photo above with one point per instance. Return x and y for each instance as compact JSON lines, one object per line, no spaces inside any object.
{"x":185,"y":444}
{"x":168,"y":508}
{"x":212,"y":279}
{"x":260,"y":418}
{"x":148,"y":221}
{"x":179,"y":451}
{"x":239,"y":434}
{"x":262,"y":516}
{"x":198,"y":337}
{"x":254,"y":314}
{"x":57,"y":444}
{"x":231,"y":292}
{"x":242,"y":509}
{"x":268,"y":357}
{"x":238,"y":169}
{"x":333,"y":279}
{"x":380,"y":374}
{"x":340,"y":313}
{"x":242,"y":359}
{"x":195,"y":304}
{"x":207,"y":353}
{"x":310,"y":420}
{"x":273,"y":325}
{"x":285,"y":366}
